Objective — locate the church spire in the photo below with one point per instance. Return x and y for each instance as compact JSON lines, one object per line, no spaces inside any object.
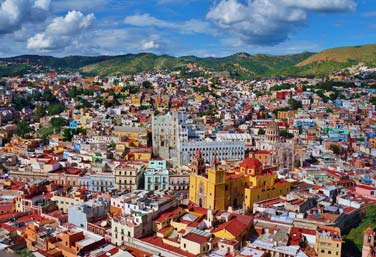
{"x":214,"y":162}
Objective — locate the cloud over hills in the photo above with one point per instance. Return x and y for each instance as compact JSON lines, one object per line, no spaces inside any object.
{"x":269,"y":22}
{"x":61,"y":31}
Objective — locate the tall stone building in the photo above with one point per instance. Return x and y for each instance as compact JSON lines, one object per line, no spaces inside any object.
{"x":168,"y":130}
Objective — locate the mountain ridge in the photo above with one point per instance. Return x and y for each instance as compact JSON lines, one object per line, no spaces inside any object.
{"x":241,"y":64}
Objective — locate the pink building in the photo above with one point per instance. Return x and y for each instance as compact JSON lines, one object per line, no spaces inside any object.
{"x":366,"y":191}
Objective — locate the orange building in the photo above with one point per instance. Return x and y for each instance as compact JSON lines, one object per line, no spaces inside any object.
{"x":73,"y":242}
{"x":262,"y":155}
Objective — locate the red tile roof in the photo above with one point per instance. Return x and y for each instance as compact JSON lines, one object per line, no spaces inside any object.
{"x":158,"y":242}
{"x":366,"y":187}
{"x":196,"y":238}
{"x":236,"y":226}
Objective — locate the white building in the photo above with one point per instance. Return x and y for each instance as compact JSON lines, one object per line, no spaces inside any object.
{"x":138,"y":212}
{"x":219,"y":150}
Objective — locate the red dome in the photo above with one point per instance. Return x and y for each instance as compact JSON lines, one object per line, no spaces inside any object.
{"x":251,"y":163}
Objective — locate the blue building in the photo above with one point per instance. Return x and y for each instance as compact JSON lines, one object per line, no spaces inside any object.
{"x":305,"y":123}
{"x":73,"y":124}
{"x":338,"y":102}
{"x":101,"y":182}
{"x":156,"y":175}
{"x":370,"y":135}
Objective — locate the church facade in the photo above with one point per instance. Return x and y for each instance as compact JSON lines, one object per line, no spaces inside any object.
{"x":282,"y":153}
{"x":220,"y":187}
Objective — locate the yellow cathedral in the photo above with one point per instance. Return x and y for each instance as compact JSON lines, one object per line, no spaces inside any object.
{"x":218,"y":187}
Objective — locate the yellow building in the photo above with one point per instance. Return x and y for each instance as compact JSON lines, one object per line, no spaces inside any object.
{"x":139,"y":136}
{"x":328,"y":241}
{"x":219,"y":188}
{"x":138,"y":156}
{"x":284,"y":115}
{"x":136,"y":101}
{"x":64,"y":202}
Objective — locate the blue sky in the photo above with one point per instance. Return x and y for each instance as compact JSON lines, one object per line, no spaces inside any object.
{"x":183,"y":27}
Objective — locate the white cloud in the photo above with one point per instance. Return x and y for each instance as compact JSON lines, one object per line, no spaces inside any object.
{"x":189,"y":26}
{"x":61,"y":31}
{"x":269,"y":22}
{"x":78,"y":5}
{"x":146,"y":20}
{"x":323,"y":5}
{"x":15,"y":13}
{"x":116,"y":41}
{"x":42,"y":4}
{"x":149,"y":45}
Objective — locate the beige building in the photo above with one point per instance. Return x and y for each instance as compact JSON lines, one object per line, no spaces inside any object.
{"x":126,"y":227}
{"x":64,"y":202}
{"x":140,"y":135}
{"x":128,"y":176}
{"x":196,"y":242}
{"x":328,"y":241}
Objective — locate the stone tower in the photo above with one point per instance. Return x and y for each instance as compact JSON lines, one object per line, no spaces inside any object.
{"x":198,"y":164}
{"x":272,"y":133}
{"x":368,"y":243}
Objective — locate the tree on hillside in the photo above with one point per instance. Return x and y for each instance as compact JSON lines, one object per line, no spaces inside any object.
{"x":286,"y":134}
{"x":261,"y":131}
{"x":22,"y":129}
{"x":294,"y":104}
{"x":147,"y":84}
{"x":39,"y":112}
{"x":58,"y":122}
{"x":335,"y":149}
{"x":54,"y":109}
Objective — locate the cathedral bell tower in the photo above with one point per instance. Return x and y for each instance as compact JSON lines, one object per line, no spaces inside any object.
{"x":368,"y":243}
{"x":198,"y":164}
{"x":216,"y":186}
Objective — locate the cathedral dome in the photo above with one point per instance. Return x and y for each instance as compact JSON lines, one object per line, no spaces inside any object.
{"x":272,"y":128}
{"x":251,"y":163}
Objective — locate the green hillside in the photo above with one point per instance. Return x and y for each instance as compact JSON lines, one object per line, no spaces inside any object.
{"x":334,"y":59}
{"x":14,"y":70}
{"x":241,"y":64}
{"x":365,"y":53}
{"x":251,"y":65}
{"x":69,"y":62}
